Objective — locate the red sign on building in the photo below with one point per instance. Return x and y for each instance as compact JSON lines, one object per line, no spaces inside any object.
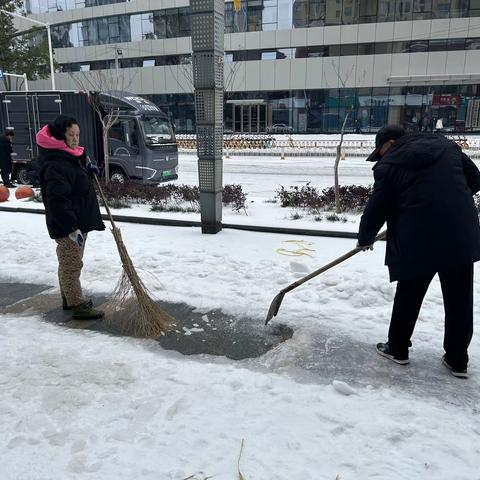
{"x":446,"y":100}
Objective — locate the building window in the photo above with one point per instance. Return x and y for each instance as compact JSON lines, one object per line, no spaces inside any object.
{"x":160,"y":25}
{"x":366,"y":48}
{"x":348,"y":49}
{"x":474,"y":8}
{"x":269,"y":55}
{"x":383,"y":48}
{"x":441,"y":8}
{"x":300,"y":13}
{"x":404,"y":10}
{"x":459,"y":8}
{"x":386,"y":10}
{"x":472,"y":44}
{"x":350,"y":12}
{"x":422,"y":9}
{"x":333,"y":12}
{"x":368,"y":11}
{"x":184,"y":25}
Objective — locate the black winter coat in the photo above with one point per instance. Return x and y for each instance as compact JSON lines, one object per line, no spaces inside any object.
{"x":68,"y":194}
{"x":6,"y":151}
{"x":423,"y":190}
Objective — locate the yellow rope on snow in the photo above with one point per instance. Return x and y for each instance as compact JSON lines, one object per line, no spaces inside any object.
{"x":302,"y":249}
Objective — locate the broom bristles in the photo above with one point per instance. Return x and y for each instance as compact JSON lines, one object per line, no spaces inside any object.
{"x":131,"y":310}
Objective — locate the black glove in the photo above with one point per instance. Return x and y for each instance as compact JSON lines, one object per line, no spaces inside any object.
{"x":365,"y":247}
{"x":93,"y":169}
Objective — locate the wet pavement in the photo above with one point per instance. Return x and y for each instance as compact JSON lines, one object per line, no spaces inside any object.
{"x":208,"y":332}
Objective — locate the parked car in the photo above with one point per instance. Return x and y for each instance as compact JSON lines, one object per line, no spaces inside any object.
{"x":279,"y":128}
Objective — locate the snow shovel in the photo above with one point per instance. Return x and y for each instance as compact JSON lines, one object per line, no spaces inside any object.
{"x":277,"y":301}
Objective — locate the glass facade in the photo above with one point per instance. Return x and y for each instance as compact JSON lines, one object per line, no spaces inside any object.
{"x":254,"y":15}
{"x":319,"y":111}
{"x":44,"y":6}
{"x":272,"y":14}
{"x":171,"y":23}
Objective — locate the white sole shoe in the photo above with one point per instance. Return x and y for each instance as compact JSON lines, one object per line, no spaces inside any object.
{"x":399,"y":361}
{"x":455,"y":373}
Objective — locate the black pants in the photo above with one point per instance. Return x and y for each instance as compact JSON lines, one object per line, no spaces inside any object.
{"x":6,"y":175}
{"x":457,"y":290}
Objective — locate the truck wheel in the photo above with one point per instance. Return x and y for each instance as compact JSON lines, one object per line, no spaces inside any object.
{"x":117,"y":176}
{"x":21,"y":175}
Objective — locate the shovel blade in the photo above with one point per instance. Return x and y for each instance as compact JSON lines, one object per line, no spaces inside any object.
{"x":274,"y":306}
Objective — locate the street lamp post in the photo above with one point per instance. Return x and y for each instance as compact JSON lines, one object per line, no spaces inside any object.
{"x":49,"y":38}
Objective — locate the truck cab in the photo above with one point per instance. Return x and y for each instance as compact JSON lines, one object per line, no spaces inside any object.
{"x":141,"y":141}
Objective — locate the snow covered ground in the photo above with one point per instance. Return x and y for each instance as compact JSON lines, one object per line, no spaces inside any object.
{"x":322,"y":405}
{"x":260,"y":177}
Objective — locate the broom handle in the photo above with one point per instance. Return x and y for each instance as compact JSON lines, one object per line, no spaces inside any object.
{"x":335,"y":262}
{"x":104,"y":201}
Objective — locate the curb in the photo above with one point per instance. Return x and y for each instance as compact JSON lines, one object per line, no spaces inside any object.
{"x":192,"y":223}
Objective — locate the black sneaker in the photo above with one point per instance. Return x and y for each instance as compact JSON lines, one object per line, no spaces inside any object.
{"x":383,"y":349}
{"x":455,"y":372}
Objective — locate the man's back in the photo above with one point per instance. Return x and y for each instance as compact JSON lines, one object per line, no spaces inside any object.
{"x":426,"y":185}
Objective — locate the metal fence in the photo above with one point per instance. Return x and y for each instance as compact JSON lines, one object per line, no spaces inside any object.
{"x":239,"y":145}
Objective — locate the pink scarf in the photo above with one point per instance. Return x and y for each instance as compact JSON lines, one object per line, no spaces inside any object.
{"x":45,"y":140}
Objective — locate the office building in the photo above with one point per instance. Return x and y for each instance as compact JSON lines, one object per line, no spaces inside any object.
{"x":299,"y":64}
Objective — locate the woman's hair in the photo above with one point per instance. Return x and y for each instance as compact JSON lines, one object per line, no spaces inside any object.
{"x":59,"y":126}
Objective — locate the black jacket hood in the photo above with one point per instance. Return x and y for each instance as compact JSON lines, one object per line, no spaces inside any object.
{"x":417,"y":151}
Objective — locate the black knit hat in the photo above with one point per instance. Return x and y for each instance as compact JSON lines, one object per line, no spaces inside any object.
{"x":59,"y":126}
{"x":390,"y":132}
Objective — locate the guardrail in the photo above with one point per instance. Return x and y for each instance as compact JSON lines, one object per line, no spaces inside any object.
{"x":268,"y":145}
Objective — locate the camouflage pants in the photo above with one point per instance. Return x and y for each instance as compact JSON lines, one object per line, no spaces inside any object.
{"x":70,"y":265}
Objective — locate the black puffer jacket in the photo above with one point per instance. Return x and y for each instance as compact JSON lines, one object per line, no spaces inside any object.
{"x":6,"y":151}
{"x":68,"y":194}
{"x":423,"y":190}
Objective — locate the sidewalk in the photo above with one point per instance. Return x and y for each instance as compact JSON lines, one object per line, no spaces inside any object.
{"x":210,"y":332}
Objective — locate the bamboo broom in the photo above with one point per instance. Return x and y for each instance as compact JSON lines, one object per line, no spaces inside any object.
{"x":139,"y":315}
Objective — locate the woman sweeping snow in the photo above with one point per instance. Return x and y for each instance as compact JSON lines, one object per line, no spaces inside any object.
{"x":71,"y":206}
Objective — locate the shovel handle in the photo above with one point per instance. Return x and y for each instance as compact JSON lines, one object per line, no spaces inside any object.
{"x":333,"y":263}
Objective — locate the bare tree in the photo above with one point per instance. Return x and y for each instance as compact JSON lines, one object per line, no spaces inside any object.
{"x":343,"y":82}
{"x":95,"y":83}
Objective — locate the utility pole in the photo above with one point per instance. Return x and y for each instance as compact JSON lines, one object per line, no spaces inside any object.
{"x":208,"y":25}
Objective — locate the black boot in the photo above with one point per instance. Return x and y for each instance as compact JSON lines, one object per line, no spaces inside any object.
{"x":85,"y":311}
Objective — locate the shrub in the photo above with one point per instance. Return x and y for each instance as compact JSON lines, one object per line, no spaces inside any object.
{"x":306,"y":197}
{"x":119,"y":203}
{"x":353,"y":198}
{"x":233,"y":195}
{"x":169,"y":197}
{"x":333,"y":217}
